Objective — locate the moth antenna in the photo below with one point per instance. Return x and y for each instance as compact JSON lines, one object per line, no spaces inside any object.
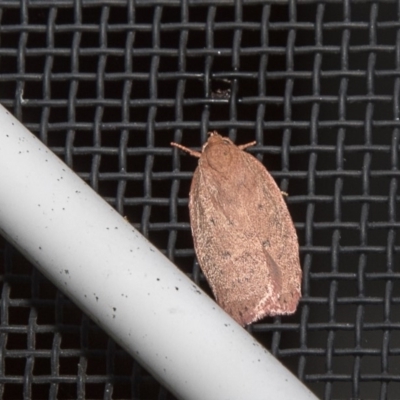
{"x":245,"y":146}
{"x":193,"y":153}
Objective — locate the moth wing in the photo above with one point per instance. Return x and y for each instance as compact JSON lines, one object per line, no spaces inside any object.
{"x":244,"y":276}
{"x":274,"y":226}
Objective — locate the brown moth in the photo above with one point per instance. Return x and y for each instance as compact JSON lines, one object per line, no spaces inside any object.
{"x":243,"y":234}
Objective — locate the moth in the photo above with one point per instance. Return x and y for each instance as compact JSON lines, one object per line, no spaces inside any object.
{"x":243,"y":235}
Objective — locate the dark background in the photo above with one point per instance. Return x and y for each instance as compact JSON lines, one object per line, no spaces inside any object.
{"x":108,"y":85}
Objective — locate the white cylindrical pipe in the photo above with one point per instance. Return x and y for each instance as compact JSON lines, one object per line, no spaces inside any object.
{"x":124,"y":283}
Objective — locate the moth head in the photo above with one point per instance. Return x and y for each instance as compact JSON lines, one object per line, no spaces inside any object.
{"x":219,"y":152}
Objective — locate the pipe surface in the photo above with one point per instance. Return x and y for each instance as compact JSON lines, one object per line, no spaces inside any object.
{"x":121,"y":281}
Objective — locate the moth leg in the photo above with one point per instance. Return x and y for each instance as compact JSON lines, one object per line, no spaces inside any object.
{"x":193,"y":153}
{"x":245,"y":146}
{"x":284,"y":194}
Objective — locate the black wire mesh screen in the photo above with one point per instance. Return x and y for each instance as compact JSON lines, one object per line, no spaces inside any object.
{"x":108,"y":85}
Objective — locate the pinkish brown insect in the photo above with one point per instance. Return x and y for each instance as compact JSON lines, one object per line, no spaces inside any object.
{"x":243,"y":234}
